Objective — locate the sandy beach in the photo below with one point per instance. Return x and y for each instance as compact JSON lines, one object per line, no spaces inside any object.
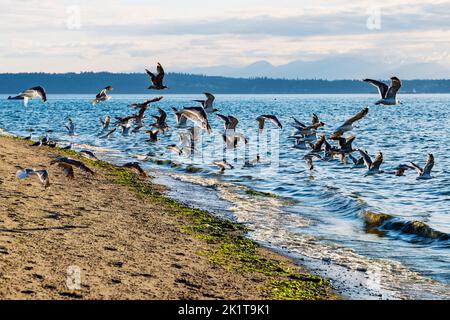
{"x":127,"y":239}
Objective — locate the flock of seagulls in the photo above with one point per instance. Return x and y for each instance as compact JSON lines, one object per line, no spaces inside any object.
{"x":196,"y":118}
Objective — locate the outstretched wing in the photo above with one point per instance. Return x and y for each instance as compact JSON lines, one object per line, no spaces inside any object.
{"x":382,"y":88}
{"x":367,"y":159}
{"x":357,"y":116}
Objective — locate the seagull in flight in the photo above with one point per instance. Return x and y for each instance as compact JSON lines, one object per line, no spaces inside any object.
{"x":157,"y":80}
{"x":105,"y":123}
{"x":30,"y":94}
{"x":102,"y":96}
{"x":425,"y":172}
{"x":388,"y":94}
{"x":41,"y":174}
{"x":208,"y":104}
{"x":262,"y":120}
{"x":77,"y":164}
{"x":372,"y":166}
{"x":348,"y":124}
{"x":197,"y":115}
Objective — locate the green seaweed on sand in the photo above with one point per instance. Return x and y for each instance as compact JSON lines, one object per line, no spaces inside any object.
{"x":192,"y":169}
{"x":229,"y":247}
{"x":256,"y":193}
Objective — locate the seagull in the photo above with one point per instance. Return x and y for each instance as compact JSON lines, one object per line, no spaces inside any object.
{"x":70,"y":127}
{"x":388,"y":94}
{"x":262,"y":119}
{"x":357,"y":162}
{"x":105,"y":123}
{"x":157,"y":80}
{"x":425,"y":172}
{"x":345,"y":144}
{"x":303,"y":128}
{"x":67,"y":170}
{"x":317,"y":146}
{"x":143,"y":107}
{"x":161,"y":123}
{"x":223,"y":165}
{"x":373,"y":166}
{"x":146,"y":103}
{"x":41,"y":174}
{"x":136,"y":167}
{"x":401,"y":169}
{"x":181,"y":119}
{"x":197,"y":115}
{"x":88,"y":154}
{"x":208,"y":104}
{"x":230,"y":122}
{"x":78,"y":164}
{"x":153,"y":135}
{"x":175,"y":149}
{"x":30,"y":94}
{"x":102,"y":96}
{"x":309,"y":159}
{"x":348,"y":124}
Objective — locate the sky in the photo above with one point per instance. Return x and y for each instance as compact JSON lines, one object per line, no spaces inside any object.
{"x":127,"y":36}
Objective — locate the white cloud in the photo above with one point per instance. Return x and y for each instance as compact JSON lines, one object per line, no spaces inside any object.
{"x":123,"y":35}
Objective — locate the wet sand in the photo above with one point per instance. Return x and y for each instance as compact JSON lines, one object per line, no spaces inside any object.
{"x":127,"y":241}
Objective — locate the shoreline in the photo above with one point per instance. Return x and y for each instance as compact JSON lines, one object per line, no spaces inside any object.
{"x":160,"y":249}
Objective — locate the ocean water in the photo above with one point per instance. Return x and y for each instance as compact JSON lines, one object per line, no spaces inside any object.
{"x":375,"y":236}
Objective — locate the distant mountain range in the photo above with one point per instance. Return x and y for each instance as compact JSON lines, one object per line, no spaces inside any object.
{"x":137,"y":83}
{"x":341,"y":67}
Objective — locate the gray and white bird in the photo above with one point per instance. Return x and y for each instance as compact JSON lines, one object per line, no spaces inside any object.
{"x":348,"y":124}
{"x":425,"y":172}
{"x":157,"y":80}
{"x":180,"y":119}
{"x":102,"y":96}
{"x":30,"y":94}
{"x":372,"y":166}
{"x":75,"y":163}
{"x":309,"y":159}
{"x":41,"y":174}
{"x":208,"y":104}
{"x":268,"y":117}
{"x":223,"y":165}
{"x":198,"y":116}
{"x":388,"y":94}
{"x":161,"y":121}
{"x":105,"y":123}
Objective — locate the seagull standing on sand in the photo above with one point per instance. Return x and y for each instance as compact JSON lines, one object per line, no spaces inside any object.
{"x":30,"y":94}
{"x":348,"y":124}
{"x":102,"y":96}
{"x":157,"y":80}
{"x":388,"y":94}
{"x":208,"y":104}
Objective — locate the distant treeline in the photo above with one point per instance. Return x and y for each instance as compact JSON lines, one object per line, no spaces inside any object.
{"x":137,"y":83}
